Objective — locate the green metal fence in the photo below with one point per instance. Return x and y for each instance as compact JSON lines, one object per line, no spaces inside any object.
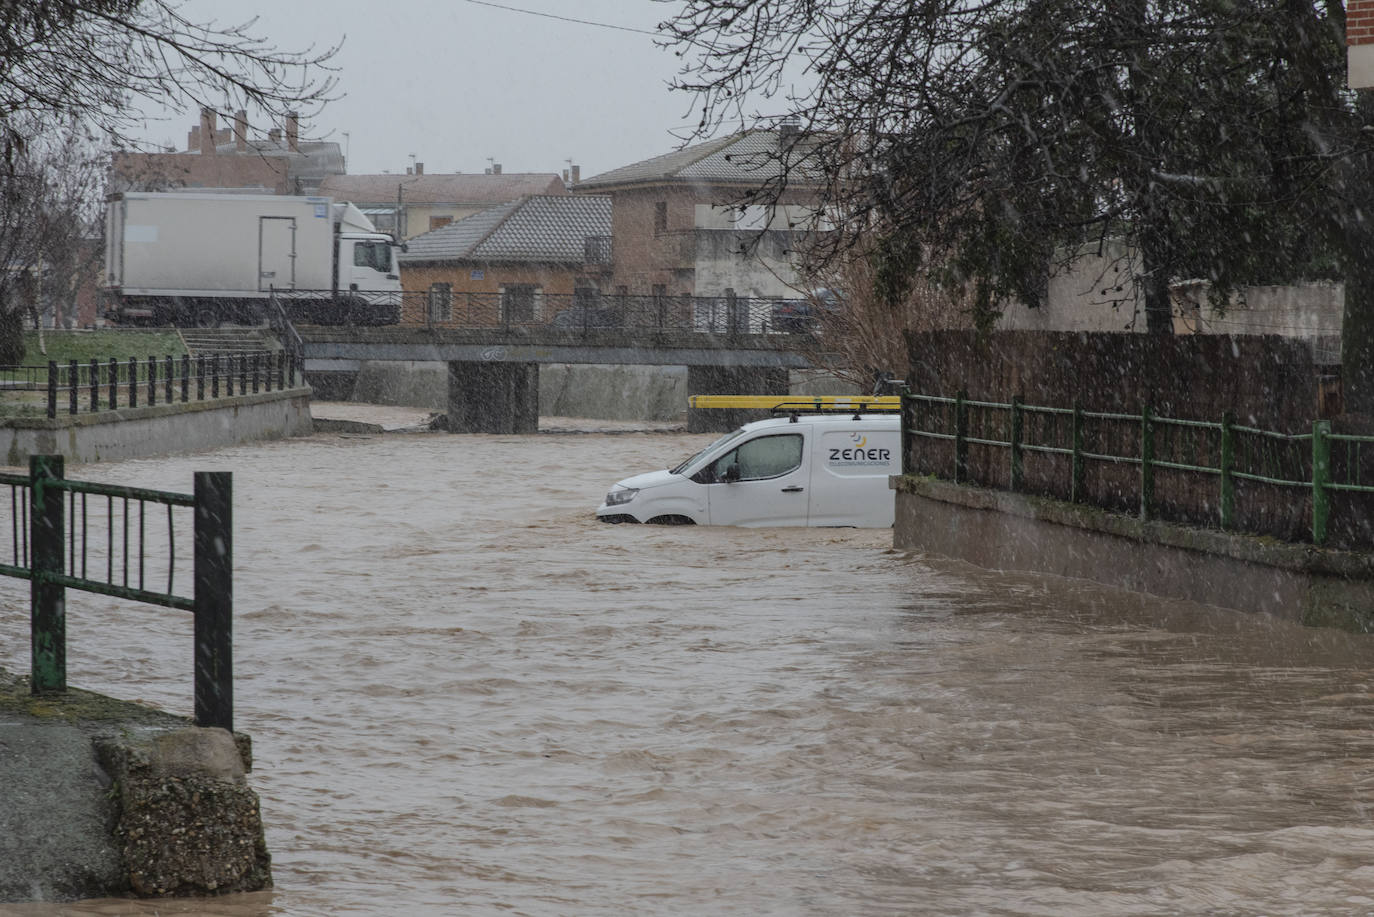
{"x":1223,"y":451}
{"x":122,"y":542}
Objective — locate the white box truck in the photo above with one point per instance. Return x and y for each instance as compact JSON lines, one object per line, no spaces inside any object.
{"x":203,"y":258}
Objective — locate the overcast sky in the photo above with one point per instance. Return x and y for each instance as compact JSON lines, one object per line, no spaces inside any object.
{"x":455,"y":82}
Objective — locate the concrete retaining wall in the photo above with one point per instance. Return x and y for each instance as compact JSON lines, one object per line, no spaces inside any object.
{"x":614,"y":392}
{"x":656,"y":393}
{"x":105,"y":798}
{"x":602,"y":392}
{"x":1006,"y":531}
{"x":159,"y":429}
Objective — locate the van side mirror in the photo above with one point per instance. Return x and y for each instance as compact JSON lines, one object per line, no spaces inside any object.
{"x":732,"y":474}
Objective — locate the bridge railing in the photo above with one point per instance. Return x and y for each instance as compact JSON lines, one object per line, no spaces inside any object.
{"x":1218,"y":473}
{"x":582,"y":312}
{"x":123,"y":542}
{"x":595,"y":311}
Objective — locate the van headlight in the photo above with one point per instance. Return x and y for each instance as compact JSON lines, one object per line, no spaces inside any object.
{"x":624,"y":495}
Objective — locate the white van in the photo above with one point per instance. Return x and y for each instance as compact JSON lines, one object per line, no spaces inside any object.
{"x":809,"y":469}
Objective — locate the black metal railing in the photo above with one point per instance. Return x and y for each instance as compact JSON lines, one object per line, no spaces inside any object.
{"x":122,"y":542}
{"x":583,"y":311}
{"x":590,"y":310}
{"x":77,"y":387}
{"x":292,"y":344}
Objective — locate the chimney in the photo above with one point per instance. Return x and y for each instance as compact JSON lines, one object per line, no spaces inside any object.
{"x":241,"y":130}
{"x":419,"y":168}
{"x":576,"y":174}
{"x":496,"y":168}
{"x":207,"y":132}
{"x":274,"y":135}
{"x":193,"y":138}
{"x":293,"y":129}
{"x":789,"y":131}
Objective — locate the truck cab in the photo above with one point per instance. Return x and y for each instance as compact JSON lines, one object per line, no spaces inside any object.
{"x":803,"y":469}
{"x":367,"y":263}
{"x":368,"y":280}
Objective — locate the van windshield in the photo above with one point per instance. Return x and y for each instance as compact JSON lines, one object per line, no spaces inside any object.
{"x":720,"y":442}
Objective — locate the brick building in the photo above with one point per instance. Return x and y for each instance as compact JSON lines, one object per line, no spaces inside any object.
{"x":679,"y":230}
{"x":1359,"y":42}
{"x":522,"y":262}
{"x":227,"y":157}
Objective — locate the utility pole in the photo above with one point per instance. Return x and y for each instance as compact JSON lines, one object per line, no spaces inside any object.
{"x":1357,"y":320}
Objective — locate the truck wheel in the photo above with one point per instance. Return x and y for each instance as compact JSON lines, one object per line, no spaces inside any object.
{"x":205,"y":317}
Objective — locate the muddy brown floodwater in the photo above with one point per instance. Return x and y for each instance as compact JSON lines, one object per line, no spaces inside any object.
{"x":468,"y":697}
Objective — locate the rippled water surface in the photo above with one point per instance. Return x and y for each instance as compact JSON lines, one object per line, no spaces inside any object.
{"x":469,"y":697}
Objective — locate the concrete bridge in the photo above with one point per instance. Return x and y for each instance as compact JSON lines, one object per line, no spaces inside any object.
{"x":493,"y":373}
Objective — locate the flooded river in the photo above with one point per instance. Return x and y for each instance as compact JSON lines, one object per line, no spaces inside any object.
{"x":468,"y":697}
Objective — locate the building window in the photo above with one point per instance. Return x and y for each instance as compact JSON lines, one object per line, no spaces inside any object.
{"x":441,"y":302}
{"x":436,"y":222}
{"x":519,"y":302}
{"x":382,"y":220}
{"x":585,"y":294}
{"x":597,"y":249}
{"x":661,"y":217}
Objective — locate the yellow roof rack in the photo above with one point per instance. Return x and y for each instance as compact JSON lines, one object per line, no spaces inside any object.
{"x":814,"y":403}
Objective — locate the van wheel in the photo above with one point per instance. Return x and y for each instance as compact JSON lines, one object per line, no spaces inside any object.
{"x":671,"y":520}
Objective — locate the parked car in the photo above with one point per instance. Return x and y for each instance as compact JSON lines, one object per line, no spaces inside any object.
{"x":815,"y":470}
{"x":803,"y":316}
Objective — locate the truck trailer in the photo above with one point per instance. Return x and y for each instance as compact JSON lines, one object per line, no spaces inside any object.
{"x":205,"y":258}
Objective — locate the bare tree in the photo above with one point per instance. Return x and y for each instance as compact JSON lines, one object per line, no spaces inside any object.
{"x":984,"y":141}
{"x":103,"y":60}
{"x":75,"y":76}
{"x":70,"y":228}
{"x":50,"y":225}
{"x":861,"y":326}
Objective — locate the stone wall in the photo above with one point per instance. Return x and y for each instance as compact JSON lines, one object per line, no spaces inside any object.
{"x":1269,"y":381}
{"x":106,"y":798}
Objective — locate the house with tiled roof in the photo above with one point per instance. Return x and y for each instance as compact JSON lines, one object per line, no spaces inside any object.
{"x":416,"y":202}
{"x":521,"y":262}
{"x":680,"y":231}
